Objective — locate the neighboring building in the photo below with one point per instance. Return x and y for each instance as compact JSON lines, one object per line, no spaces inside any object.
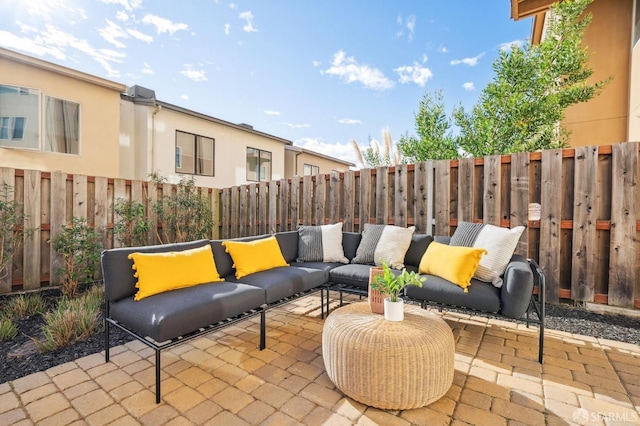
{"x":56,"y":118}
{"x":612,"y":39}
{"x":301,"y":162}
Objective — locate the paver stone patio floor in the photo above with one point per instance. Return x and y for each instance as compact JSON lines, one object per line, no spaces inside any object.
{"x":223,"y":379}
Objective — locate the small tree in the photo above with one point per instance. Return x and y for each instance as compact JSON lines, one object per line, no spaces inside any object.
{"x":184,"y":215}
{"x":12,"y":228}
{"x":131,"y":225}
{"x":79,"y":248}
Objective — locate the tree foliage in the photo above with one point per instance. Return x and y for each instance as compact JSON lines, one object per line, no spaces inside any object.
{"x":521,"y":109}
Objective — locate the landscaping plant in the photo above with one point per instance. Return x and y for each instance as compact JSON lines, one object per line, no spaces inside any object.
{"x":12,"y":221}
{"x":184,"y":215}
{"x":8,"y":329}
{"x":131,"y":226}
{"x":79,"y":247}
{"x":23,"y":306}
{"x":392,"y":285}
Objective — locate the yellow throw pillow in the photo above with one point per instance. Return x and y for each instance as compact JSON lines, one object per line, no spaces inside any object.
{"x":453,"y":263}
{"x":160,"y":272}
{"x":255,"y":256}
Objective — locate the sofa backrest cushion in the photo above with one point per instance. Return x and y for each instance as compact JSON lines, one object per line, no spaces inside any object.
{"x":288,"y":241}
{"x":117,"y":271}
{"x":350,"y":243}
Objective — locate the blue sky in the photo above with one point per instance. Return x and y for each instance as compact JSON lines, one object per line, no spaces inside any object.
{"x":315,"y":72}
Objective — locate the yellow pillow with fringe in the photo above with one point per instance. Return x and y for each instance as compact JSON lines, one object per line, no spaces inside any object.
{"x":160,"y":272}
{"x":254,"y":256}
{"x":453,"y":263}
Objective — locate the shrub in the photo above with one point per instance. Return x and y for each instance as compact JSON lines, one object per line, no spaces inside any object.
{"x":8,"y":329}
{"x":22,"y":306}
{"x":131,"y":226}
{"x":12,"y":221}
{"x":71,"y":321}
{"x":79,"y":247}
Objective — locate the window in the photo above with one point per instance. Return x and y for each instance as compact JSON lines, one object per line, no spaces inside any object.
{"x":258,"y":165}
{"x":21,"y":122}
{"x":194,"y":154}
{"x":309,"y":169}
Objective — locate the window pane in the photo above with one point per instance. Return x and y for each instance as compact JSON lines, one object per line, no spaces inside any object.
{"x":306,"y":169}
{"x":185,"y":146}
{"x":205,"y":156}
{"x":19,"y":112}
{"x":265,"y":165}
{"x":62,"y":126}
{"x":252,"y":163}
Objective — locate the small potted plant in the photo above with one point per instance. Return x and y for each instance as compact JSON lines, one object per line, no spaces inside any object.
{"x":392,"y":285}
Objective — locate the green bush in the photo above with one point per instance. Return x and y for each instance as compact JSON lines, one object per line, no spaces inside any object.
{"x":131,"y":226}
{"x":72,"y":320}
{"x":8,"y":329}
{"x":23,"y":306}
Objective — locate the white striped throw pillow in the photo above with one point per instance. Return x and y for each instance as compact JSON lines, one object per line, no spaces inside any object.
{"x":500,"y":244}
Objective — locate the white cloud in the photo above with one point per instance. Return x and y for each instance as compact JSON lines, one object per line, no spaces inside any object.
{"x":343,"y":151}
{"x":30,"y":46}
{"x":191,"y":74}
{"x":296,"y":126}
{"x":233,"y":6}
{"x":350,"y":71}
{"x":185,"y":97}
{"x":46,"y":9}
{"x":469,"y":86}
{"x":227,"y":27}
{"x":425,"y":58}
{"x":270,"y":112}
{"x":164,"y":25}
{"x":414,"y":74}
{"x":316,"y":64}
{"x":349,"y":121}
{"x":147,"y":69}
{"x":112,"y":32}
{"x":411,"y":26}
{"x":140,"y":36}
{"x":472,"y":62}
{"x":127,"y":4}
{"x":122,"y":16}
{"x":508,"y":45}
{"x":443,"y":49}
{"x":248,"y":27}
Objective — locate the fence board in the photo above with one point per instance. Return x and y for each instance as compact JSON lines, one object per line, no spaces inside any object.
{"x":334,"y":198}
{"x":442,"y":198}
{"x":382,"y":195}
{"x":273,"y":207}
{"x":307,"y":200}
{"x":551,"y":210}
{"x":152,"y":201}
{"x":466,"y":168}
{"x":349,"y":200}
{"x":623,"y":225}
{"x":32,"y":204}
{"x":80,"y":196}
{"x":420,"y":194}
{"x":248,"y":206}
{"x":234,"y":218}
{"x":283,"y":200}
{"x":100,"y":206}
{"x":400,"y":198}
{"x":225,"y":205}
{"x":8,"y":177}
{"x":262,"y":208}
{"x":584,"y":249}
{"x":320,"y":199}
{"x":215,"y":209}
{"x":295,"y":202}
{"x":519,"y":205}
{"x":366,"y":195}
{"x":492,"y":190}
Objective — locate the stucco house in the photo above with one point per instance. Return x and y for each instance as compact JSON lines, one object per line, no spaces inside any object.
{"x":613,"y":41}
{"x":56,"y":118}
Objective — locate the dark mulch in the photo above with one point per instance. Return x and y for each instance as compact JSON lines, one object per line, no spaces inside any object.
{"x":559,"y":317}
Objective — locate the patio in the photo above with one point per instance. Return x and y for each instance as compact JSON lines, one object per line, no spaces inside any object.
{"x":224,"y":379}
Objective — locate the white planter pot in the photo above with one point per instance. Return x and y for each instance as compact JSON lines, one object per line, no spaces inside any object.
{"x":393,"y":311}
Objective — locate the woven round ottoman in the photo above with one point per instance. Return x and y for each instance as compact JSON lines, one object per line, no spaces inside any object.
{"x":386,"y":364}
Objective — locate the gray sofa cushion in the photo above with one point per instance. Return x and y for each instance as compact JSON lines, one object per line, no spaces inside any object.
{"x":325,"y":266}
{"x":288,"y":245}
{"x":350,"y":243}
{"x":481,"y":296}
{"x":116,"y":267}
{"x":417,"y":248}
{"x":279,"y":283}
{"x":174,"y":313}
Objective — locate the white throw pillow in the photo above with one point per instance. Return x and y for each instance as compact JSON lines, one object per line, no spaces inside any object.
{"x":393,"y":245}
{"x":321,"y":244}
{"x":500,"y":244}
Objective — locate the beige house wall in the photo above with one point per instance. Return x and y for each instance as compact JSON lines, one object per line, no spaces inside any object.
{"x":99,"y":116}
{"x":634,"y":99}
{"x":296,"y":159}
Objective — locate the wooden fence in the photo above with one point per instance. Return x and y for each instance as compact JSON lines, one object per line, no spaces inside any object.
{"x":586,"y":238}
{"x":51,"y":200}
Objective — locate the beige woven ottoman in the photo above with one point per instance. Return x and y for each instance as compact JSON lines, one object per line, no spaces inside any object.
{"x":385,"y":364}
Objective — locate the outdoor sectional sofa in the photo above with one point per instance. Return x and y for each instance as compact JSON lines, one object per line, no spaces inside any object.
{"x":170,"y":318}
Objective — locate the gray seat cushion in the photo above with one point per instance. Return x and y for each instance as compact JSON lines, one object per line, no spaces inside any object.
{"x":325,"y":266}
{"x":481,"y":296}
{"x":173,"y":313}
{"x":286,"y":281}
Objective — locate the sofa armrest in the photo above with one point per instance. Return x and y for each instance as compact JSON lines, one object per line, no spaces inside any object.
{"x":517,"y":287}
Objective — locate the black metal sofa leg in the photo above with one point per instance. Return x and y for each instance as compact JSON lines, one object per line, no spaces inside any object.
{"x":263,"y":329}
{"x":157,"y":376}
